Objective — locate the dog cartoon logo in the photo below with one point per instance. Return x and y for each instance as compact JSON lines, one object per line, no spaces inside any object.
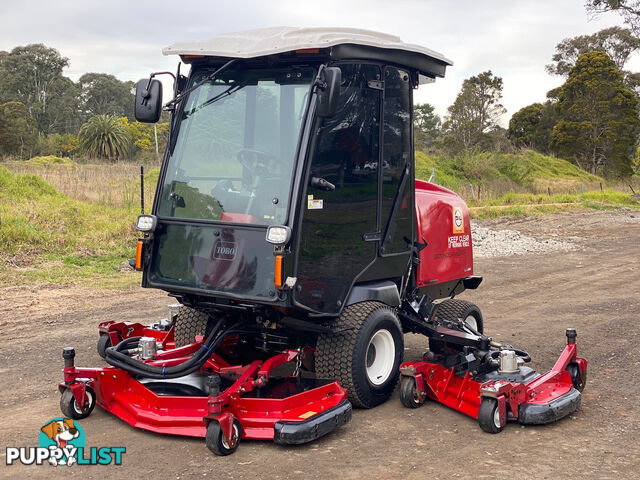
{"x":62,"y":436}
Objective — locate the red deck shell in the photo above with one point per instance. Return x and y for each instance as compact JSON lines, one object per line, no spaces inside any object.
{"x":448,"y":255}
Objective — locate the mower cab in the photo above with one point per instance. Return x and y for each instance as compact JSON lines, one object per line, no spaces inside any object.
{"x":288,"y":224}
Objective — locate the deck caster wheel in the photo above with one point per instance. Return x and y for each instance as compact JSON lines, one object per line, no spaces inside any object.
{"x":409,"y":393}
{"x":577,"y":379}
{"x":104,"y":342}
{"x":489,"y":416}
{"x":70,"y":408}
{"x":217,"y":443}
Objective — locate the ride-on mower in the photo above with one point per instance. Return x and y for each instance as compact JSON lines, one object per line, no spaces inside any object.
{"x":299,"y":247}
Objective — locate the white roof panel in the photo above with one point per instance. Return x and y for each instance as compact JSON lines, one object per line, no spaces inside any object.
{"x":274,"y":40}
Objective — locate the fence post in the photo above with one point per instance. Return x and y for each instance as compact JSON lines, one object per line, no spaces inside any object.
{"x":549,"y":190}
{"x":582,"y":189}
{"x":473,"y":194}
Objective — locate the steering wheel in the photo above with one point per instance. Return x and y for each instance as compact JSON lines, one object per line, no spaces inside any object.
{"x":260,"y":163}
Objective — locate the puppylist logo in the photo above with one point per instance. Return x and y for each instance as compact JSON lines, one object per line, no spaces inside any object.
{"x":62,"y":442}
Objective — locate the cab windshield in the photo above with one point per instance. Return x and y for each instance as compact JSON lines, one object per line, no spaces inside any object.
{"x":232,"y":154}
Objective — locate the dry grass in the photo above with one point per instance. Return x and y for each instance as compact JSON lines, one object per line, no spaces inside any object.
{"x":114,"y":184}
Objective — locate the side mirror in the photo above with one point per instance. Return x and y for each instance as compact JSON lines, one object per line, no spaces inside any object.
{"x":328,"y":96}
{"x":148,"y":100}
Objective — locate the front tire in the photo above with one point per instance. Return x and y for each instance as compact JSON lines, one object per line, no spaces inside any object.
{"x":365,"y":355}
{"x":216,"y":442}
{"x":70,"y":408}
{"x":409,"y":393}
{"x":489,"y":416}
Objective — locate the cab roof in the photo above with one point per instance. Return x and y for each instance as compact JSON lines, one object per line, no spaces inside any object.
{"x":337,"y":43}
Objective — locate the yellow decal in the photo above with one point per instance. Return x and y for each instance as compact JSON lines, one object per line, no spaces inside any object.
{"x":310,"y":413}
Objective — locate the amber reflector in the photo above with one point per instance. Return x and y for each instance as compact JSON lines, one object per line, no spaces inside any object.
{"x":139,"y":255}
{"x":278,"y":271}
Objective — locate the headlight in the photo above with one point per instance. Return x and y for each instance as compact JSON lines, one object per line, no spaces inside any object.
{"x":146,"y":223}
{"x":278,"y":235}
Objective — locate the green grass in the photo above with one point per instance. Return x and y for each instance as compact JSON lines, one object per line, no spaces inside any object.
{"x":525,"y":204}
{"x":531,"y":171}
{"x":46,"y":236}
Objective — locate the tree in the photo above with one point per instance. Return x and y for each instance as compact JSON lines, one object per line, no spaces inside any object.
{"x":426,"y":125}
{"x":619,"y":43}
{"x":599,"y":119}
{"x":104,"y":94}
{"x":18,"y":133}
{"x":104,"y":136}
{"x":30,"y":75}
{"x":476,"y":110}
{"x":629,"y":9}
{"x":531,"y":126}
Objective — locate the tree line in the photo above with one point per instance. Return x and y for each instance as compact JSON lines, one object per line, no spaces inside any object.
{"x":43,"y":112}
{"x":591,"y":120}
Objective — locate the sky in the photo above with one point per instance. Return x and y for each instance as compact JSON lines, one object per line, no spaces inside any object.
{"x":514,"y":39}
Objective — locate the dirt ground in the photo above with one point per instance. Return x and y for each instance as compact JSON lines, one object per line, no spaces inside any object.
{"x":526,"y":300}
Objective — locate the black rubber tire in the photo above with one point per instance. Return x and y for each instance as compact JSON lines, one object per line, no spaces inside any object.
{"x":215,"y":441}
{"x":486,"y":416}
{"x":576,"y":379}
{"x":343,"y":356}
{"x":104,"y":342}
{"x":452,"y":310}
{"x":408,"y":393}
{"x":70,"y":408}
{"x":189,"y":323}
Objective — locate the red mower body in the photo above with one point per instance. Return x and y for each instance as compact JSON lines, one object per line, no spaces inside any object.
{"x":443,"y":223}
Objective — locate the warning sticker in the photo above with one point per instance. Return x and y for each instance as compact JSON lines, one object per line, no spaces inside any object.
{"x":314,"y":204}
{"x":458,"y":220}
{"x":308,"y":414}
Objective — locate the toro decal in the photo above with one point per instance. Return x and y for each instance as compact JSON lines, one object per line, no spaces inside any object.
{"x":224,"y":250}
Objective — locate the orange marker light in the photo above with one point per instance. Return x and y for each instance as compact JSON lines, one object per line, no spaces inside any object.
{"x":139,"y":255}
{"x":278,"y":271}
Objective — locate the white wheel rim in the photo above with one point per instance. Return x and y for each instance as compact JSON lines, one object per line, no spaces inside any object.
{"x":234,"y":438}
{"x":381,"y":353}
{"x":77,"y":407}
{"x":472,"y":322}
{"x":496,"y":417}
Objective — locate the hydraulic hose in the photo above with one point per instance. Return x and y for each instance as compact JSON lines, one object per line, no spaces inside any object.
{"x":116,"y":358}
{"x":519,"y":352}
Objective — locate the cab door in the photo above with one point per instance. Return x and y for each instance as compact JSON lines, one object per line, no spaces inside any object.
{"x":337,"y":239}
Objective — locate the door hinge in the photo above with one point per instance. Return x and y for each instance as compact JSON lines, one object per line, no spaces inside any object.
{"x":371,"y":237}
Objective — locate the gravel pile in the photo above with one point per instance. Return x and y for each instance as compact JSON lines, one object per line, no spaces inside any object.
{"x":499,"y":243}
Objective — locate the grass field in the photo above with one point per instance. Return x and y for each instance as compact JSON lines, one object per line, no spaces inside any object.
{"x":66,"y":223}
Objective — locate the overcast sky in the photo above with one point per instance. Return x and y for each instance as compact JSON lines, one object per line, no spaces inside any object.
{"x":514,"y":39}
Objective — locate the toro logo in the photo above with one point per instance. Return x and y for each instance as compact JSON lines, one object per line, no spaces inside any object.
{"x":224,"y":250}
{"x":458,"y":220}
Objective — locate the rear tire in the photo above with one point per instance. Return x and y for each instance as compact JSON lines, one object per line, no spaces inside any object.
{"x":104,"y":342}
{"x":365,"y":356}
{"x":453,"y":310}
{"x":189,"y":323}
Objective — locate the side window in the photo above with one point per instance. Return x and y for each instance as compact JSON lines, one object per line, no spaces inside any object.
{"x":396,"y":154}
{"x":345,"y":153}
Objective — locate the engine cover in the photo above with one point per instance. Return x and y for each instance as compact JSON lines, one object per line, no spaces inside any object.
{"x":443,"y":222}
